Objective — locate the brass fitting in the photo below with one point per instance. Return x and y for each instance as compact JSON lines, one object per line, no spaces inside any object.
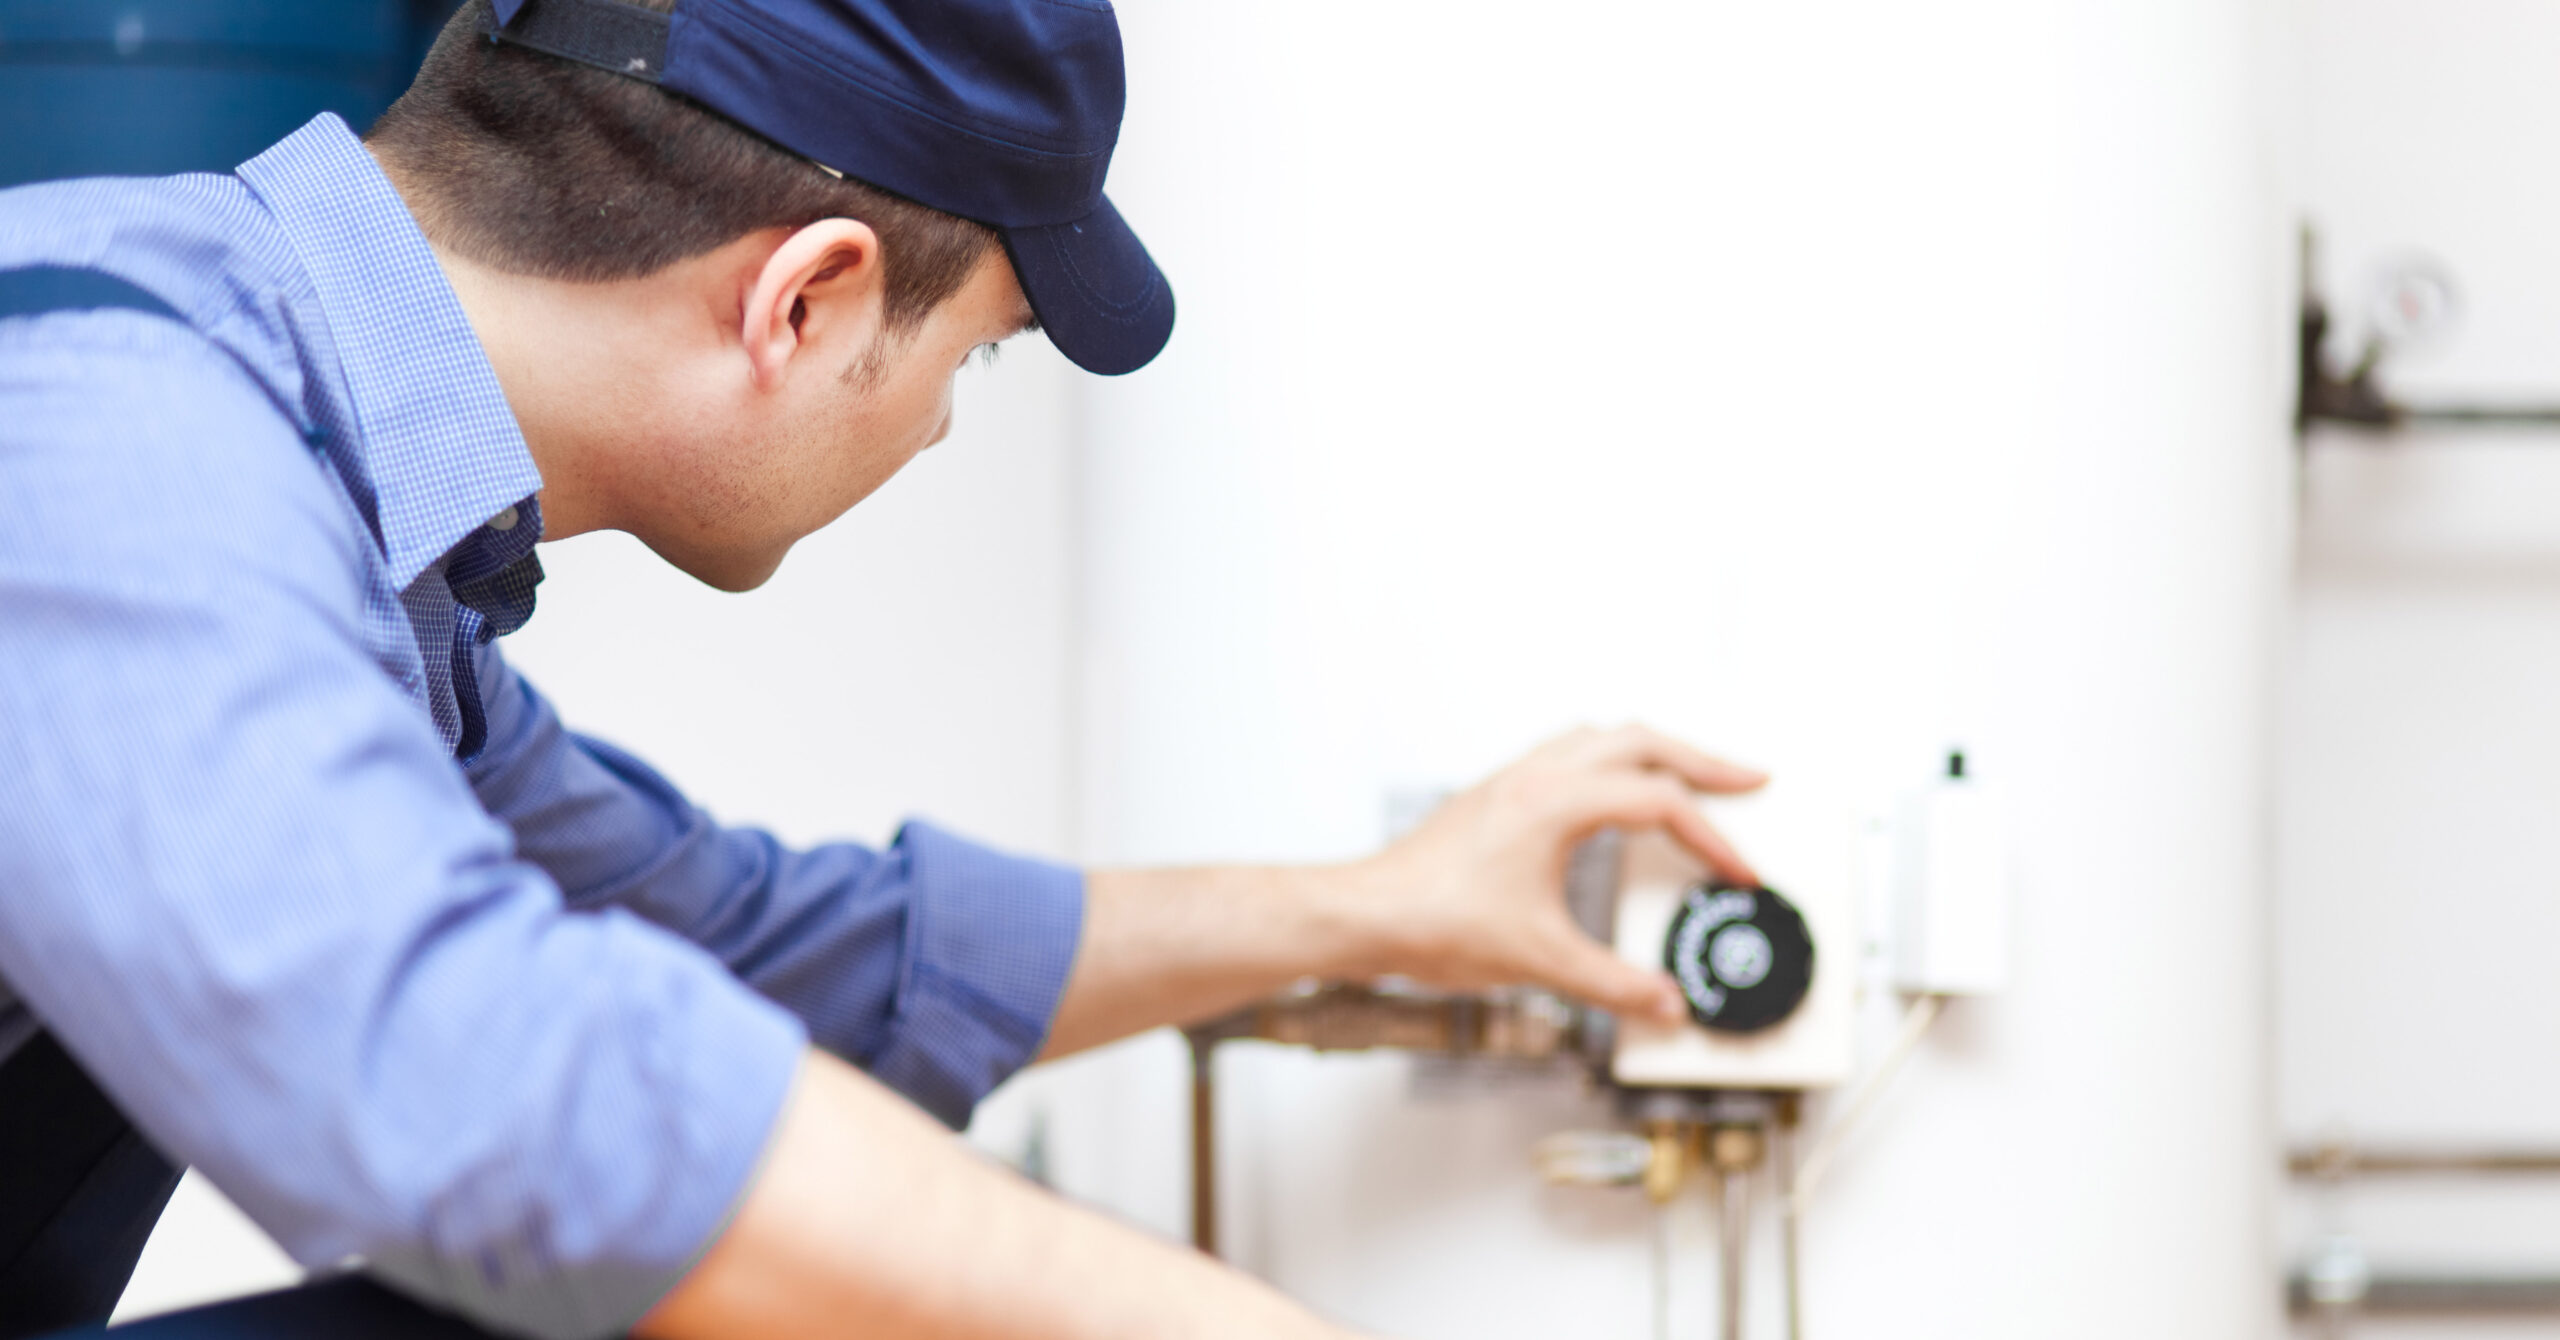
{"x":1669,"y":1164}
{"x":1735,"y":1148}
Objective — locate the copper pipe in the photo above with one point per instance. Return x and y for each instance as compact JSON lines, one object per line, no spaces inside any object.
{"x":1733,"y":1150}
{"x":1783,"y":1155}
{"x":1361,"y":1018}
{"x":1204,"y":1145}
{"x":2338,"y":1161}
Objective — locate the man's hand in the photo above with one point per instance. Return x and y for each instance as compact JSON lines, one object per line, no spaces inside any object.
{"x":1474,"y":896}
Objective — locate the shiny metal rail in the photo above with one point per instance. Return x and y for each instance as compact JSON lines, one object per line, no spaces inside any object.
{"x":2340,"y":1161}
{"x":2419,"y":1295}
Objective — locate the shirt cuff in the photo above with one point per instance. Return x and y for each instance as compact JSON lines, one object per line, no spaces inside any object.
{"x":989,"y":941}
{"x":736,"y":1064}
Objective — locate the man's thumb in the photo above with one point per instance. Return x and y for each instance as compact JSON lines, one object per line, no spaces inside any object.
{"x":1590,"y":972}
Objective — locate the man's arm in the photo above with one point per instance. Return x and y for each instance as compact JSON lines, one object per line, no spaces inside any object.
{"x":933,"y":964}
{"x":863,"y":1209}
{"x":1474,"y":897}
{"x":867,"y":1219}
{"x":242,"y":882}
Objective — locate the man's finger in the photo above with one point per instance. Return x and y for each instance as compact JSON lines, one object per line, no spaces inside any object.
{"x":1590,"y":973}
{"x":1566,"y":745}
{"x":1692,"y":831}
{"x":1651,"y":800}
{"x":1643,"y":747}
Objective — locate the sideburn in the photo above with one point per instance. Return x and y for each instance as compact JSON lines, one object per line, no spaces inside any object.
{"x":872,"y":368}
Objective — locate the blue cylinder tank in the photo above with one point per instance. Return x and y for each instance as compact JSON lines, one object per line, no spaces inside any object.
{"x":120,"y":87}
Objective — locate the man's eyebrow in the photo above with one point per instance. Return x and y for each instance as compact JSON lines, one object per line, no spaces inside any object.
{"x":1026,"y":322}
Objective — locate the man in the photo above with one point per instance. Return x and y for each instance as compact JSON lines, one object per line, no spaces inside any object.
{"x":308,"y":885}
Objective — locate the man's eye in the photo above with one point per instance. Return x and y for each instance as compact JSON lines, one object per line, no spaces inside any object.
{"x":987,"y":354}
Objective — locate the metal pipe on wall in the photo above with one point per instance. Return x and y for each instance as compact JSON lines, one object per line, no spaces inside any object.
{"x":1204,"y":1144}
{"x":2340,"y":1161}
{"x":1513,"y":1026}
{"x":2412,"y":1294}
{"x":2342,"y":1285}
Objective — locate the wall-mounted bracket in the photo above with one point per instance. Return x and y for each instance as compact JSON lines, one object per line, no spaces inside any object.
{"x":2353,"y":396}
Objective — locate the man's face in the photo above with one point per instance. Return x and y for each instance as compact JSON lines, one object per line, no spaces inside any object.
{"x":821,"y":443}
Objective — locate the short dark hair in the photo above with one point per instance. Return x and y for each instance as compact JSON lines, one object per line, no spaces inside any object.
{"x":540,"y":166}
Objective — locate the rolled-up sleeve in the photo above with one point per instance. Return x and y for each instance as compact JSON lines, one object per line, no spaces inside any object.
{"x":935,"y":964}
{"x":247,"y":886}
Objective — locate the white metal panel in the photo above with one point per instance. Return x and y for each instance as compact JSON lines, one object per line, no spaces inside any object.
{"x":1830,"y":384}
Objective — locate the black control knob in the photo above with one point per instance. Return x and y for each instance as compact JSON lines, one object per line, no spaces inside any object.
{"x":1743,"y":957}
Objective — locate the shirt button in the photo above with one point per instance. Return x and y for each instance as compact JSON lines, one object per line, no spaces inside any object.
{"x":503,"y":521}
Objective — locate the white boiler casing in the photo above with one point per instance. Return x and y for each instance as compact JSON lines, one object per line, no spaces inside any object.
{"x":1819,"y":383}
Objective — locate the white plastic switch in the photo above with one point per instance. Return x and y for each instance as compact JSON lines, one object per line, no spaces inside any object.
{"x":1951,"y":915}
{"x":1805,"y":851}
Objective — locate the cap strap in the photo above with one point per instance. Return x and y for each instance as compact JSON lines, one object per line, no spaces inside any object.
{"x":607,"y":34}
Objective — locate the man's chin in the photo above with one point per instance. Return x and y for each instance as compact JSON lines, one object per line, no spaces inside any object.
{"x":725,"y":571}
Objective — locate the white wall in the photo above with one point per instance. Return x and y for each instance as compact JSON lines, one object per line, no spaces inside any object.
{"x":1825,"y":384}
{"x":2418,"y":858}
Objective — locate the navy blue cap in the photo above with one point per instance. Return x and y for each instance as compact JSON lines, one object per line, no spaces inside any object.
{"x":1002,"y":111}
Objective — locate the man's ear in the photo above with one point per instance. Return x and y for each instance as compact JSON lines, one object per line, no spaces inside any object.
{"x":824,"y":284}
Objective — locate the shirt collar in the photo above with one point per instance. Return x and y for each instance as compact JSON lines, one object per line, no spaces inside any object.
{"x":435,"y":434}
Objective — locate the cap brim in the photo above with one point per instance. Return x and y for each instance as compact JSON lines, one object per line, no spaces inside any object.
{"x":1097,"y":293}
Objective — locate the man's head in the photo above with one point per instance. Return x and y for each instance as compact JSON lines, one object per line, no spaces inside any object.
{"x":711,"y":340}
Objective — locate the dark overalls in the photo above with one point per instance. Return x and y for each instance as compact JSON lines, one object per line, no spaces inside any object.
{"x":80,"y":1188}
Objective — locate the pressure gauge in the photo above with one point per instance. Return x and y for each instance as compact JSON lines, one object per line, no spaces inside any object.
{"x":2415,"y":303}
{"x":1742,"y":956}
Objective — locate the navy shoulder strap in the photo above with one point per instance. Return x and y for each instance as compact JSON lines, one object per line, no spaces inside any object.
{"x":38,"y":290}
{"x":51,"y":288}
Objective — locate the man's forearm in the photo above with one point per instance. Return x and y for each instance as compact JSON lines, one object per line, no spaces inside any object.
{"x":868,"y":1219}
{"x":1176,"y":946}
{"x":1184,"y":946}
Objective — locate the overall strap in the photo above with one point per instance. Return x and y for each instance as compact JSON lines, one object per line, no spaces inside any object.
{"x":38,"y":290}
{"x":80,"y":1188}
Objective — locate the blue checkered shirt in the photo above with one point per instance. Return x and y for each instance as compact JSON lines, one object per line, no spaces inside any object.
{"x":312,"y":882}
